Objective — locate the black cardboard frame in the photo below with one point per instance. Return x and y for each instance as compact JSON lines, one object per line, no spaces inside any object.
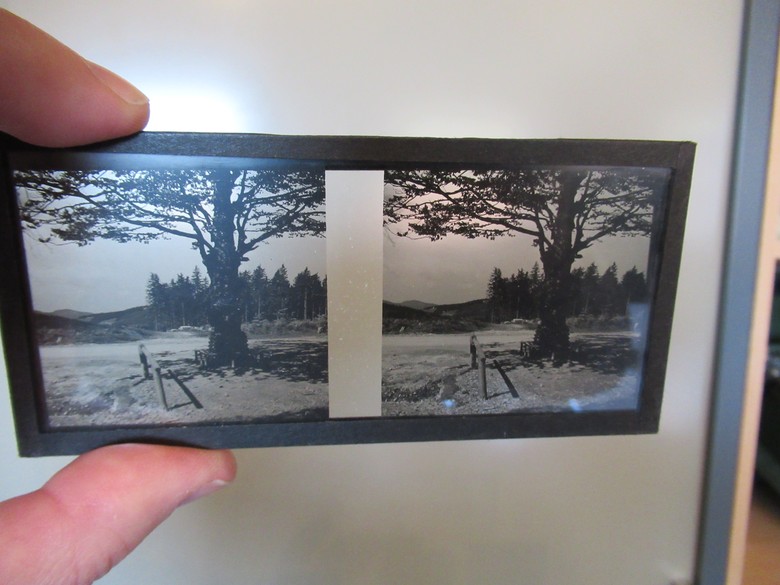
{"x":342,"y":153}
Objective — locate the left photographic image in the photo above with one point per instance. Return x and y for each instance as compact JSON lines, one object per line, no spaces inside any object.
{"x":169,"y":295}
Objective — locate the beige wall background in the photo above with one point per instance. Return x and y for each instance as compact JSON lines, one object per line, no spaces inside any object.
{"x":600,"y":510}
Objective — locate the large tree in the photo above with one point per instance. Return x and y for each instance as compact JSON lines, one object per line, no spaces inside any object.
{"x":564,"y":210}
{"x":224,"y":213}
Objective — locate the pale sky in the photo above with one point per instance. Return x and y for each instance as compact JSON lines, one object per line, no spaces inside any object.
{"x":456,"y":269}
{"x":108,"y":276}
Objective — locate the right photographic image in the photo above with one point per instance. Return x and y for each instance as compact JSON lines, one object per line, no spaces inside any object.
{"x":518,"y":290}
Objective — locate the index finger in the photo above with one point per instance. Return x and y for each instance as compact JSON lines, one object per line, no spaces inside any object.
{"x":51,"y":96}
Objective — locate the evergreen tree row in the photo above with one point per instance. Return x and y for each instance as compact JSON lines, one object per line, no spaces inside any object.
{"x":184,"y":301}
{"x":591,"y":293}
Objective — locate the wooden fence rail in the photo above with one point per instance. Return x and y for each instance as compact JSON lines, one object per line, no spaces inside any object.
{"x":478,"y":361}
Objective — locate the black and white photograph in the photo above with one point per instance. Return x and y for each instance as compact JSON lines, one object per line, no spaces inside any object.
{"x":177,"y":295}
{"x":511,"y":291}
{"x":174,"y":288}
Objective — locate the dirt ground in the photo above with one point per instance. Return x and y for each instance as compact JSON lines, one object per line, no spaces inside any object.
{"x":102,"y":384}
{"x":425,"y":375}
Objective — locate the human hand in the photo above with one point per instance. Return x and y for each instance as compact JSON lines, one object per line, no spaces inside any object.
{"x":95,"y":511}
{"x":91,"y":514}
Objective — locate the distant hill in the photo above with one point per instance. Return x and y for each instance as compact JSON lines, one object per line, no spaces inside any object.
{"x":56,"y":321}
{"x":419,"y":305}
{"x":476,"y":310}
{"x":133,"y":317}
{"x":402,"y":318}
{"x":70,"y":314}
{"x":401,"y":311}
{"x":69,"y":326}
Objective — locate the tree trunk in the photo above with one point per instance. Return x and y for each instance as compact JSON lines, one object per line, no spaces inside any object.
{"x":552,"y":335}
{"x":227,"y":342}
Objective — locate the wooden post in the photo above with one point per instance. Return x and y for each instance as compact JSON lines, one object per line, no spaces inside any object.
{"x":149,"y":363}
{"x":144,"y":362}
{"x":475,"y":347}
{"x":483,"y":377}
{"x":156,"y":371}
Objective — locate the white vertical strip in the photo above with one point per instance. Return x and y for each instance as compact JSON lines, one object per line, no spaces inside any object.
{"x":354,"y":244}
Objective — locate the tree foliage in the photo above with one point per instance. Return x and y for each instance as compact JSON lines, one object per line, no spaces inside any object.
{"x":495,"y":203}
{"x":142,"y":205}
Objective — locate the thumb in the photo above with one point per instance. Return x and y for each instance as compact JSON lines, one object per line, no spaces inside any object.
{"x":91,"y":514}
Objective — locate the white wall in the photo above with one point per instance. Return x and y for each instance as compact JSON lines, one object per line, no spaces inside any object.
{"x":604,"y":510}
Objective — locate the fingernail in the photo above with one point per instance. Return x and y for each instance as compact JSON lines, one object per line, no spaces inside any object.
{"x":121,"y":87}
{"x":204,"y":491}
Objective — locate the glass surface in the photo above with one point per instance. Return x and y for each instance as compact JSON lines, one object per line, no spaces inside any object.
{"x":517,"y":290}
{"x":179,"y":295}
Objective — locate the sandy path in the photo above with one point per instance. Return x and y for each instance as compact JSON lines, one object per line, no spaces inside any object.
{"x":102,"y":385}
{"x":431,"y":375}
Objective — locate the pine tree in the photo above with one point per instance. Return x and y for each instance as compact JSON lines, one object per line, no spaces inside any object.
{"x":200,"y":287}
{"x":496,"y":295}
{"x":279,"y":294}
{"x":525,"y":307}
{"x":536,"y":287}
{"x":609,"y":297}
{"x":156,"y":300}
{"x":300,"y":295}
{"x":260,"y":293}
{"x":588,"y":287}
{"x":634,"y":287}
{"x":182,"y":300}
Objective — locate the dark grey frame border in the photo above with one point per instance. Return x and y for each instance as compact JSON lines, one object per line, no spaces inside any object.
{"x":761,"y":23}
{"x":343,"y":153}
